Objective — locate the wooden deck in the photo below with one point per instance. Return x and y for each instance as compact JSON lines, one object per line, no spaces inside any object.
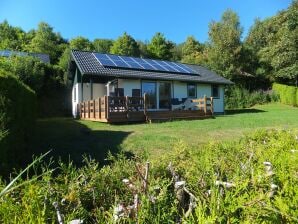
{"x":134,"y":109}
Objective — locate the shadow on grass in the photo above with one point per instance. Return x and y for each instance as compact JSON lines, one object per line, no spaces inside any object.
{"x":244,"y":111}
{"x":71,"y":140}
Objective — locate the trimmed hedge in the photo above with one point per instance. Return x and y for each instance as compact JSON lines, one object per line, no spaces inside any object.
{"x":287,"y":94}
{"x":17,"y":121}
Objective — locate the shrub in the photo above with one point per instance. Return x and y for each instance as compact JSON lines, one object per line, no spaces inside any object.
{"x":288,"y":94}
{"x":17,"y":118}
{"x":238,"y":98}
{"x":90,"y":192}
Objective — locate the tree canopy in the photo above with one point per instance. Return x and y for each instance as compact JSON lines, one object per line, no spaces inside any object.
{"x":224,"y":47}
{"x":125,"y":45}
{"x":160,"y":48}
{"x":268,"y":53}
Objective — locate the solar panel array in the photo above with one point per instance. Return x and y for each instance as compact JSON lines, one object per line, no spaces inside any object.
{"x":8,"y":53}
{"x":110,"y":60}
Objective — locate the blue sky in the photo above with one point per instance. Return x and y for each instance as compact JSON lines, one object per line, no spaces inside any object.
{"x":177,"y":19}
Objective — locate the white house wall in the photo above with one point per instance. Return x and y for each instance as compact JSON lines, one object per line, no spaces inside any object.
{"x":128,"y":85}
{"x":180,"y":90}
{"x":203,"y":89}
{"x":99,"y":90}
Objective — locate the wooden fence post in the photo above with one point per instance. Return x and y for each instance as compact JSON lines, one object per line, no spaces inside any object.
{"x":99,"y":108}
{"x":88,"y":103}
{"x":84,"y":109}
{"x":94,"y":109}
{"x":205,"y":104}
{"x":145,"y":104}
{"x":211,"y":107}
{"x":107,"y":106}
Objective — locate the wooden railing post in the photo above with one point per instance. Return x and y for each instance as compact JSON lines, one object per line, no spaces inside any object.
{"x":99,"y":108}
{"x":205,"y":104}
{"x":88,"y":104}
{"x":79,"y":109}
{"x":127,"y":103}
{"x":211,"y":103}
{"x":107,"y":106}
{"x":84,"y":109}
{"x":94,"y":109}
{"x":145,"y":104}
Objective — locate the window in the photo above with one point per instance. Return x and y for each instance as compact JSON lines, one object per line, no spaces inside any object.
{"x":191,"y":90}
{"x":215,"y":91}
{"x":135,"y":92}
{"x":119,"y":92}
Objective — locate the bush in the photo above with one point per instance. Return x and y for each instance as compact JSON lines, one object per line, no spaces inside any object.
{"x":288,"y":94}
{"x":238,"y":98}
{"x":17,"y":119}
{"x":90,"y":192}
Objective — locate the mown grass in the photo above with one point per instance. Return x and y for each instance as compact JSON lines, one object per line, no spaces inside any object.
{"x":72,"y":138}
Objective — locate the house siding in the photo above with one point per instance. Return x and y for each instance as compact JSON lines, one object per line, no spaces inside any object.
{"x":128,"y":85}
{"x":180,"y":90}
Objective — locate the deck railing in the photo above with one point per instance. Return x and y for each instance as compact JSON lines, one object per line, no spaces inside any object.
{"x":109,"y":106}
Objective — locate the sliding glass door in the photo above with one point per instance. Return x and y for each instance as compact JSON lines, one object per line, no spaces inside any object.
{"x":150,"y":89}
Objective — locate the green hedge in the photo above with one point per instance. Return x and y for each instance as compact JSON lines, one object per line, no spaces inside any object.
{"x":17,"y":120}
{"x":288,"y":94}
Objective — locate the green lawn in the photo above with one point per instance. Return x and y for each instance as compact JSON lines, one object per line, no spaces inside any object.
{"x":73,"y":138}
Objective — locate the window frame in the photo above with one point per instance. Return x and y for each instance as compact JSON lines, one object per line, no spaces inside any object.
{"x":218,"y":91}
{"x":195,"y":87}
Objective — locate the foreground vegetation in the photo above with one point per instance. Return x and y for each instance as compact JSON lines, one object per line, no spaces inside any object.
{"x":253,"y":180}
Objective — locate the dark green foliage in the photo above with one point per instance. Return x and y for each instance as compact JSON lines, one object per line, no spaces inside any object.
{"x":125,"y":45}
{"x":239,"y":97}
{"x":102,"y":45}
{"x":224,"y":48}
{"x":272,"y":46}
{"x":160,"y":48}
{"x":192,"y":51}
{"x":81,"y":43}
{"x":47,"y":42}
{"x":17,"y":119}
{"x":287,"y":94}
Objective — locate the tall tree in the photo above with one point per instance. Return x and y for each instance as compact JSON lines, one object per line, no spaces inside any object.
{"x":177,"y":52}
{"x":102,"y":45}
{"x":11,"y":38}
{"x":81,"y":43}
{"x":46,"y":41}
{"x":125,"y":45}
{"x":143,"y":49}
{"x":281,"y":50}
{"x":192,"y":51}
{"x":160,"y":48}
{"x":271,"y":46}
{"x":224,"y":50}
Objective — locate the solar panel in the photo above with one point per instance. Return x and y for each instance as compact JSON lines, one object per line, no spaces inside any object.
{"x":111,"y":60}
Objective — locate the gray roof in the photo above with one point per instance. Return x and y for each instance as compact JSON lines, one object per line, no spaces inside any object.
{"x":88,"y":64}
{"x":42,"y":57}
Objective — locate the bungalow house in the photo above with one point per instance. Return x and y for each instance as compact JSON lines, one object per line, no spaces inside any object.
{"x":114,"y":88}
